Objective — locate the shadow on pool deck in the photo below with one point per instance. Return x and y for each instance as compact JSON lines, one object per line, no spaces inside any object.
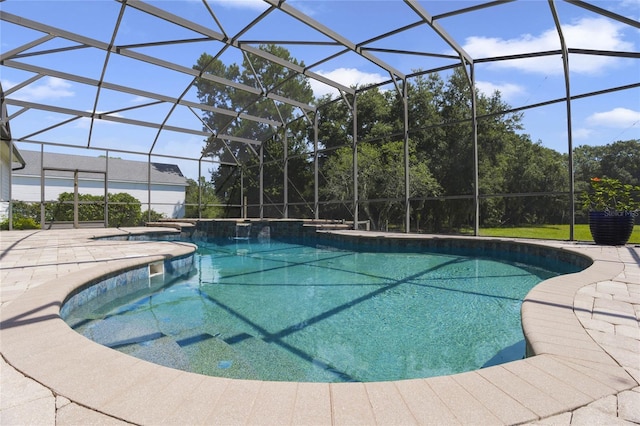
{"x":582,"y":327}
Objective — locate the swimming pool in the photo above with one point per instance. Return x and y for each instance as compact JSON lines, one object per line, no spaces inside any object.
{"x":323,"y":312}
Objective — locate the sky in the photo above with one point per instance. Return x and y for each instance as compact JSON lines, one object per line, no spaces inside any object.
{"x":523,"y":26}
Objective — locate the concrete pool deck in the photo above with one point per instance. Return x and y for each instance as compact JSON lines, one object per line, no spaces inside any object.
{"x":584,"y":329}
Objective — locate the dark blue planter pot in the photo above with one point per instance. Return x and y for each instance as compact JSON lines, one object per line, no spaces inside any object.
{"x":611,"y":228}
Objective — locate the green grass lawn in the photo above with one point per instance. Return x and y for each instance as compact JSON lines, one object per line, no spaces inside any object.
{"x":550,"y":232}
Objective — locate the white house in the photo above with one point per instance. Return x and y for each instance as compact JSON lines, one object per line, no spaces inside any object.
{"x":96,"y":175}
{"x":10,"y":159}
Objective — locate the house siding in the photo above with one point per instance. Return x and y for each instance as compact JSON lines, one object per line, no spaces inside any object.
{"x":167,"y":197}
{"x":5,"y":180}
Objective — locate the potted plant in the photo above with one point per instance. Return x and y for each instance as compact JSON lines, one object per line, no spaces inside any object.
{"x":612,"y":207}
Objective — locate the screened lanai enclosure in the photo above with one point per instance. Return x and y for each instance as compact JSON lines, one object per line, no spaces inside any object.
{"x":404,"y":115}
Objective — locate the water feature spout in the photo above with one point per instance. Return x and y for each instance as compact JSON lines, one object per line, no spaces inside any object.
{"x":243,"y":231}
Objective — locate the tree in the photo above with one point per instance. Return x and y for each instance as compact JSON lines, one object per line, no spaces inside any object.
{"x":618,"y":160}
{"x":262,"y":74}
{"x":91,"y":207}
{"x":441,"y":135}
{"x":24,"y":215}
{"x":441,"y":146}
{"x":374,"y":131}
{"x":621,"y":160}
{"x":531,"y":168}
{"x":380,"y":179}
{"x":124,"y":209}
{"x":204,"y":192}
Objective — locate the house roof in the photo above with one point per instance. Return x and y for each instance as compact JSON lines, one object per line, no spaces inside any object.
{"x":119,"y":170}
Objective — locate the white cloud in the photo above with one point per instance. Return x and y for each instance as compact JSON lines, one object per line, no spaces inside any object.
{"x":310,"y":8}
{"x":582,"y":133}
{"x":630,"y":4}
{"x":347,"y":77}
{"x":243,"y":4}
{"x":140,"y":100}
{"x":50,"y":88}
{"x":84,"y":122}
{"x":508,"y":91}
{"x":621,"y":118}
{"x":587,"y":33}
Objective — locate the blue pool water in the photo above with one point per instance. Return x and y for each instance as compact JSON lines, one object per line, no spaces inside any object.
{"x":297,"y":312}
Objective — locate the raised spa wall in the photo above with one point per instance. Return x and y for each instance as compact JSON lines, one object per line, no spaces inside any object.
{"x":167,"y":270}
{"x":260,"y":228}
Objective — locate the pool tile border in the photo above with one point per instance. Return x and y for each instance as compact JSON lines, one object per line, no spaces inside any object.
{"x":569,"y":369}
{"x":172,"y":267}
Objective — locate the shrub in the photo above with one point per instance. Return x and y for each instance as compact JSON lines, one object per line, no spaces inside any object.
{"x":20,"y":222}
{"x":154,"y":217}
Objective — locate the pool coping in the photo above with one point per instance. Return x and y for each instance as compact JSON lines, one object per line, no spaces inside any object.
{"x":569,"y":370}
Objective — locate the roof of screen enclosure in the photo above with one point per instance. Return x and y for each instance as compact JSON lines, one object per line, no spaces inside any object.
{"x":102,"y":50}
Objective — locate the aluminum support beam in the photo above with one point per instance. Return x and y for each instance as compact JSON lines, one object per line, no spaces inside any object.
{"x":476,"y":167}
{"x":261,"y":192}
{"x":604,"y":12}
{"x":52,"y":31}
{"x":41,"y":71}
{"x":297,"y":68}
{"x":103,"y":73}
{"x":567,"y":85}
{"x":422,"y":13}
{"x":106,"y":190}
{"x":149,"y":186}
{"x":42,"y":186}
{"x":87,"y":114}
{"x":75,"y":200}
{"x":285,"y":183}
{"x":316,"y":168}
{"x":88,"y":42}
{"x":243,"y":199}
{"x":207,"y":32}
{"x":25,"y":47}
{"x":199,"y":189}
{"x":354,"y":113}
{"x":407,"y":163}
{"x":291,"y":11}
